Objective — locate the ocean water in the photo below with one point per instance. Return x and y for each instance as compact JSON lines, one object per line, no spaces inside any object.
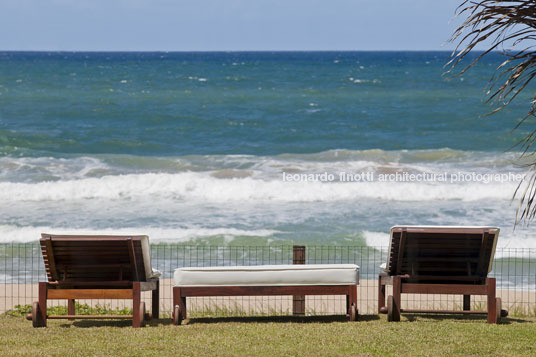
{"x":253,"y":148}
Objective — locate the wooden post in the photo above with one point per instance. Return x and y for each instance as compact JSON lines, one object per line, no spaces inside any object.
{"x":466,"y":302}
{"x":298,"y":301}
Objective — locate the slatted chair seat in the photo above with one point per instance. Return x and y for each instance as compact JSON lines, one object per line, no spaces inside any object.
{"x":96,"y":267}
{"x":440,"y":260}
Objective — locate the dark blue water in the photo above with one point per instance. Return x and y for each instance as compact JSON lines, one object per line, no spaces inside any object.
{"x":259,"y":103}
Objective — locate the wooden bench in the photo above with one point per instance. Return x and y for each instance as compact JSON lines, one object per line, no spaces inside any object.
{"x":266,"y":280}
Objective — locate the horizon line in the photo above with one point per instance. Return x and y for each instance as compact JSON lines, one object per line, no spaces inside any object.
{"x":220,"y":51}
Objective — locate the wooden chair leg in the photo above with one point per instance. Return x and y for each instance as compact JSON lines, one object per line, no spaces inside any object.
{"x":136,"y":300}
{"x":466,"y":302}
{"x":492,"y":303}
{"x":353,"y":301}
{"x":397,"y":282}
{"x":43,"y":293}
{"x":70,"y":308}
{"x":183,"y":306}
{"x":381,"y":295}
{"x":155,"y":307}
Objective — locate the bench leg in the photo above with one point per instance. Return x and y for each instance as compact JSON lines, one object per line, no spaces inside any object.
{"x":182,"y":304}
{"x":70,"y":308}
{"x":381,"y":295}
{"x":351,"y":302}
{"x":397,"y":285}
{"x":155,"y":308}
{"x":179,"y":300}
{"x":136,"y":300}
{"x":43,"y":304}
{"x":492,"y":308}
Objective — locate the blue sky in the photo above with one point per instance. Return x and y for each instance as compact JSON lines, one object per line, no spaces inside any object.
{"x":185,"y":25}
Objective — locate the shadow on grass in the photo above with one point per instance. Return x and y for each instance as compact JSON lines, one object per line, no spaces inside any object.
{"x":113,"y":323}
{"x":97,"y":323}
{"x":213,"y":320}
{"x":279,"y":319}
{"x":454,"y":317}
{"x":286,"y":319}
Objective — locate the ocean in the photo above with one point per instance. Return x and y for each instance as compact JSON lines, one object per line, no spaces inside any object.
{"x":325,"y":148}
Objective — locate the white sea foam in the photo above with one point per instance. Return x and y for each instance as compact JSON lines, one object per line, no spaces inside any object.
{"x":10,"y":233}
{"x":376,"y":239}
{"x":246,"y":195}
{"x":202,"y":186}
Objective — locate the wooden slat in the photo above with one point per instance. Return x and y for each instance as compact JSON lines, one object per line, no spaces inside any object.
{"x":482,"y":255}
{"x":401,"y":249}
{"x":92,"y":266}
{"x":132,"y":254}
{"x":90,"y":294}
{"x":468,"y":278}
{"x":409,"y":288}
{"x":454,"y":271}
{"x":91,"y":283}
{"x":89,"y":250}
{"x":50,"y":258}
{"x":89,"y":236}
{"x":455,"y":230}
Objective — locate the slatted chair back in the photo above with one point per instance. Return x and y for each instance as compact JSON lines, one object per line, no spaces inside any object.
{"x":442,"y":254}
{"x":88,"y":259}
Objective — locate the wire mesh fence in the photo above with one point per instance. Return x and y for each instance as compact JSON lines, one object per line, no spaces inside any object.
{"x":21,"y":268}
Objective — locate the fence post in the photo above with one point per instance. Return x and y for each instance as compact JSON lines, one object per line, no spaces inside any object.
{"x":298,"y":301}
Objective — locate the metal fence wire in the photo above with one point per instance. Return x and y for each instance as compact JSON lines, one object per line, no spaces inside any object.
{"x":21,"y":268}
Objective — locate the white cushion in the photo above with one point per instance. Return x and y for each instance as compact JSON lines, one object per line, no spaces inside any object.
{"x":268,"y":275}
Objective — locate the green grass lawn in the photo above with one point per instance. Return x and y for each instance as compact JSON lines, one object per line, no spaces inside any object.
{"x":269,"y":336}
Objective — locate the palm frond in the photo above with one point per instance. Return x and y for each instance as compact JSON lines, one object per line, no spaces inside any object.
{"x":511,"y":27}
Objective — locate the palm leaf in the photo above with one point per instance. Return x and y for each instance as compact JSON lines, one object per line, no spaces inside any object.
{"x":511,"y":28}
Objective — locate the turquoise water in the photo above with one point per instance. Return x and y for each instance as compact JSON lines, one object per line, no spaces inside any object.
{"x":194,"y":146}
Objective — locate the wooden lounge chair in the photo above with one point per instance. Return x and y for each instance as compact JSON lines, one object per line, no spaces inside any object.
{"x":265,"y":280}
{"x":440,"y":260}
{"x":96,"y":267}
